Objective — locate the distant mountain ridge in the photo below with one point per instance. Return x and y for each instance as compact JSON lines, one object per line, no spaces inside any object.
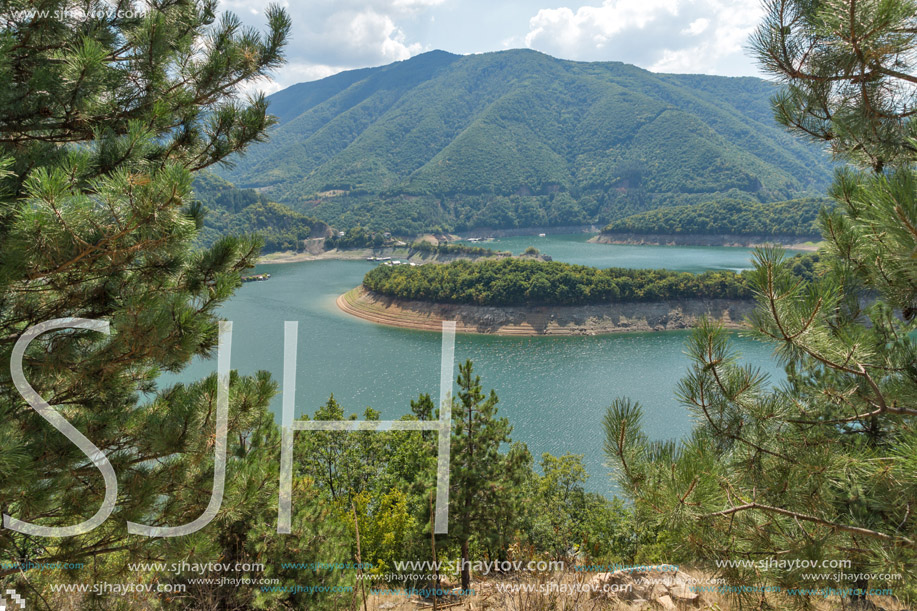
{"x":518,"y":138}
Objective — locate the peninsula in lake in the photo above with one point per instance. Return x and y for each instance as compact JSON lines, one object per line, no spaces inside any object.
{"x":524,"y":296}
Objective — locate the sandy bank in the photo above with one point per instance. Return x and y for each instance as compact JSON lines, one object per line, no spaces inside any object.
{"x":483,"y":232}
{"x":528,"y":321}
{"x":360,"y":254}
{"x":695,"y":239}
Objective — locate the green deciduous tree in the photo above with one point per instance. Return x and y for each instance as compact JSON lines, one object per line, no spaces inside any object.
{"x":386,"y":528}
{"x":341,"y":462}
{"x":385,"y":477}
{"x":565,"y":522}
{"x":562,"y":490}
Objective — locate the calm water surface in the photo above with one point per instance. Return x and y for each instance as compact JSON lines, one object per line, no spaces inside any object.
{"x":553,"y":390}
{"x":575,"y":249}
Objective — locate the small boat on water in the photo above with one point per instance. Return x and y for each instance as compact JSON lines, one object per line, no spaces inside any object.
{"x":256,"y":278}
{"x":541,"y":235}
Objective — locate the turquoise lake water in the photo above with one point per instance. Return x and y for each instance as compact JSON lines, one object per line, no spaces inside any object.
{"x":554,"y":390}
{"x":575,"y":249}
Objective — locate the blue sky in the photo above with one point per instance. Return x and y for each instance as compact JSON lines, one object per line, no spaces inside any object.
{"x":695,"y":36}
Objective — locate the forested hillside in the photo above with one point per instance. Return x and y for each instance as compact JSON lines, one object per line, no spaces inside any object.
{"x":518,"y":138}
{"x":232,"y":211}
{"x":796,"y":217}
{"x":517,"y":282}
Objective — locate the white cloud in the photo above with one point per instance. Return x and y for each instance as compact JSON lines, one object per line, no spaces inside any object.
{"x":329,"y":36}
{"x":363,"y":38}
{"x":577,"y":32}
{"x":413,"y":5}
{"x":293,"y":72}
{"x":697,"y":26}
{"x":662,"y":35}
{"x":705,"y":36}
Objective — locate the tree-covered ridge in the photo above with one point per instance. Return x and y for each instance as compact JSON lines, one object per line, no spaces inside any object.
{"x":358,"y":237}
{"x":442,"y":140}
{"x":233,"y":211}
{"x":523,"y":282}
{"x":444,"y":248}
{"x":216,"y":193}
{"x":797,"y":217}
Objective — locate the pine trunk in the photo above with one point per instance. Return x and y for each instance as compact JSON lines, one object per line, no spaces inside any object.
{"x":466,"y":567}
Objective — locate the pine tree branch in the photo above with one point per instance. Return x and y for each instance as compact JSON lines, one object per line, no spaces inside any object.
{"x":910,"y":78}
{"x":807,"y":518}
{"x":720,"y":431}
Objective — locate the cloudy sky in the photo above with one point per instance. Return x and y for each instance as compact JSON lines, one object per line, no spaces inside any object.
{"x":701,"y":36}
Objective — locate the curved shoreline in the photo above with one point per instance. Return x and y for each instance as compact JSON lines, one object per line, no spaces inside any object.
{"x":543,"y":320}
{"x":696,"y":239}
{"x":360,"y":254}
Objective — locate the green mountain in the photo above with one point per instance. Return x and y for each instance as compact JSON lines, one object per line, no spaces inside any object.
{"x":796,"y":217}
{"x":518,"y":138}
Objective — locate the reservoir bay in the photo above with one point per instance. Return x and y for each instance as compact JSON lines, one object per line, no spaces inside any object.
{"x":554,"y":390}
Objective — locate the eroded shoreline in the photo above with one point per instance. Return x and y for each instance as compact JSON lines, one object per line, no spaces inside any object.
{"x":361,"y":254}
{"x":544,"y":320}
{"x":693,"y":239}
{"x":315,"y":253}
